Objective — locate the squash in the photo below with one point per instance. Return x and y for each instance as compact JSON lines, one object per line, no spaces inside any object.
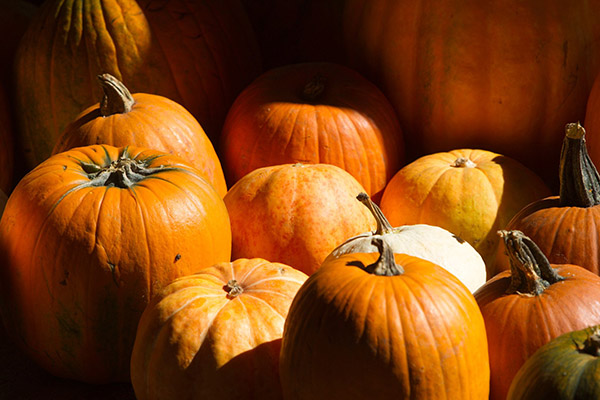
{"x":469,"y":192}
{"x":531,"y":304}
{"x":314,"y":113}
{"x":87,"y":238}
{"x":295,"y":214}
{"x":428,"y":242}
{"x":216,"y":333}
{"x":143,"y":120}
{"x":383,"y":326}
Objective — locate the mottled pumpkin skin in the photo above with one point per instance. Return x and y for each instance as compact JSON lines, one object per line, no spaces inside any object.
{"x":350,"y":124}
{"x":499,"y":75}
{"x":79,"y":263}
{"x":199,"y":54}
{"x":519,"y":324}
{"x":353,"y":335}
{"x":295,"y":214}
{"x":198,"y":341}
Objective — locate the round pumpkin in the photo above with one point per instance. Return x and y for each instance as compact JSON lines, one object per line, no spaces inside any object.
{"x":295,"y":214}
{"x":216,"y":333}
{"x":314,"y":113}
{"x":383,"y":326}
{"x":531,"y":304}
{"x":565,"y":227}
{"x":566,"y":368}
{"x":428,"y":242}
{"x":471,"y":193}
{"x":87,"y":238}
{"x":499,"y":75}
{"x":143,"y":120}
{"x":200,"y":54}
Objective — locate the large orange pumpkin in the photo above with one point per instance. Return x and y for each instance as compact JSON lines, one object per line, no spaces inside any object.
{"x":505,"y":76}
{"x":295,"y":214}
{"x":215,"y":334}
{"x":531,"y":304}
{"x":144,"y":120}
{"x":314,"y":113}
{"x":87,"y":238}
{"x":200,"y":54}
{"x":384,"y":326}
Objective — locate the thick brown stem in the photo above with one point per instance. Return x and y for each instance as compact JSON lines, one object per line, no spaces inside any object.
{"x":386,"y":263}
{"x":117,"y":98}
{"x":313,"y":88}
{"x":383,"y":225}
{"x":531,"y":272}
{"x":233,"y":289}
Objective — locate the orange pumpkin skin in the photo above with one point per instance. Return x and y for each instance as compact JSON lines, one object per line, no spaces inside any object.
{"x":295,"y":214}
{"x":201,"y":339}
{"x":153,"y":122}
{"x":314,"y":113}
{"x":353,"y":335}
{"x":499,"y":75}
{"x":200,"y":54}
{"x":80,"y":259}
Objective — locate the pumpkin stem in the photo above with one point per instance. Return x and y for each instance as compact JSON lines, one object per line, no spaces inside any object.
{"x":314,"y":88}
{"x":591,"y":345}
{"x":233,"y":289}
{"x":579,"y":179}
{"x":117,"y":99}
{"x":463,"y":162}
{"x":386,"y":263}
{"x":531,"y":272}
{"x":383,"y":225}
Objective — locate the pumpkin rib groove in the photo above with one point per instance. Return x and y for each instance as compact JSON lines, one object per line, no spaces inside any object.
{"x":265,"y":302}
{"x":279,"y":279}
{"x":401,"y":306}
{"x":370,"y":180}
{"x":249,"y":272}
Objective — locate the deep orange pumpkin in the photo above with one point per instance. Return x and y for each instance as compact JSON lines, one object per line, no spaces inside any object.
{"x":393,"y":327}
{"x":215,"y":334}
{"x":531,"y":304}
{"x":314,"y":113}
{"x":87,"y":238}
{"x":144,"y":120}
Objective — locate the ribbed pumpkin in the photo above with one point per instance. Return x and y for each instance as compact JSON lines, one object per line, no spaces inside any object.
{"x":87,"y":238}
{"x":314,"y":113}
{"x":144,"y":120}
{"x":566,"y":368}
{"x":566,"y":227}
{"x":215,"y":334}
{"x":531,"y":304}
{"x":499,"y":75}
{"x":7,"y":149}
{"x":200,"y":54}
{"x":384,"y":326}
{"x":428,"y":242}
{"x":471,"y":193}
{"x":295,"y":214}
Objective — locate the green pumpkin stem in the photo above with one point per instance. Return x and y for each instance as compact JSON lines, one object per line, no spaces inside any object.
{"x":117,"y":99}
{"x":386,"y":263}
{"x":531,"y":272}
{"x":579,"y":179}
{"x":313,"y":88}
{"x":383,"y":225}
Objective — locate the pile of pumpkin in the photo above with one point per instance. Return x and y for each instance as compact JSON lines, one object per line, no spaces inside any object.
{"x":195,"y":211}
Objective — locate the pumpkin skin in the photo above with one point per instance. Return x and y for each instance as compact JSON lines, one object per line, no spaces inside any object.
{"x":519,"y":320}
{"x":295,"y":214}
{"x":144,"y":120}
{"x":566,"y":368}
{"x":314,"y":113}
{"x":449,"y":68}
{"x":200,"y":54}
{"x":417,"y":335}
{"x":83,"y":250}
{"x":428,"y":242}
{"x":216,"y":333}
{"x":469,"y":192}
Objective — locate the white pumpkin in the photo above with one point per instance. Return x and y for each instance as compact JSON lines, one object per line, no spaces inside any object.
{"x":428,"y":242}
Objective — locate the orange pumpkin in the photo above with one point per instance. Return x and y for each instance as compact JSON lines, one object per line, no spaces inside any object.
{"x":215,"y":334}
{"x":295,"y":214}
{"x":144,"y":120}
{"x":531,"y":304}
{"x":384,"y":326}
{"x":87,"y":238}
{"x":314,"y":113}
{"x":471,"y":193}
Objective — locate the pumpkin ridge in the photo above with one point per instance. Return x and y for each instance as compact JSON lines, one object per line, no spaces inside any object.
{"x":249,"y":272}
{"x":265,"y":302}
